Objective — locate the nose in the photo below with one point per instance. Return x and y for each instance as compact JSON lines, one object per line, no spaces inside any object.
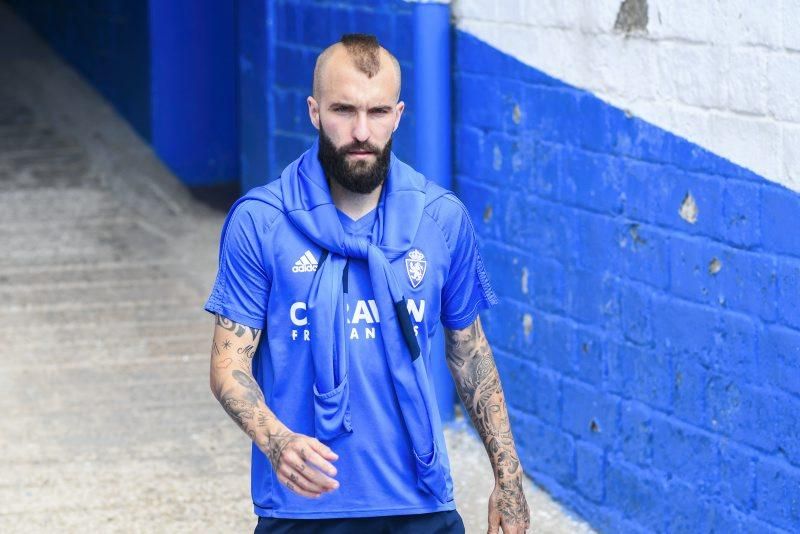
{"x":361,"y":128}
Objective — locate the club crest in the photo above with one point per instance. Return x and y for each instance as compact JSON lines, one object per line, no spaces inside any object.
{"x":415,"y":266}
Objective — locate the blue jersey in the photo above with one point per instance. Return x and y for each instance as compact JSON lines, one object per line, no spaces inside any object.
{"x":266,"y":268}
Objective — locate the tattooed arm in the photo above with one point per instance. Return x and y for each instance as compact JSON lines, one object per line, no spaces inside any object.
{"x":471,"y":363}
{"x":294,"y":457}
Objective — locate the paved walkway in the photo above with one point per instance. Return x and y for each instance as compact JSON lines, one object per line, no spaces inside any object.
{"x":108,"y":422}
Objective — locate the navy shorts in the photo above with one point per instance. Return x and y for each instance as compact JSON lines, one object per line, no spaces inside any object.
{"x":448,"y":522}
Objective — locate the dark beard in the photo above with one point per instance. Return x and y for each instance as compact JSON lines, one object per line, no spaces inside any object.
{"x":361,"y":176}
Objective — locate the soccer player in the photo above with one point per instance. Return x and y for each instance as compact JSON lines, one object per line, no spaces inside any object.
{"x":332,"y":281}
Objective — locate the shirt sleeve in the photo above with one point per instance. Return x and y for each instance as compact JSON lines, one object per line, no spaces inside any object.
{"x":467,"y":289}
{"x":241,"y":289}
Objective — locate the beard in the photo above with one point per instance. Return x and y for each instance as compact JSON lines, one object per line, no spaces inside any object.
{"x":360,"y":175}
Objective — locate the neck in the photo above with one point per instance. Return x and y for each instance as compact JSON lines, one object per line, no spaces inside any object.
{"x":354,"y":205}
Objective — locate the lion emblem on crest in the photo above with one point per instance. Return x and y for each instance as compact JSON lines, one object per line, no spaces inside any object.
{"x":415,"y":266}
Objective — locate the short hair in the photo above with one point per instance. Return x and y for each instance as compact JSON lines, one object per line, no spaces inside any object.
{"x":364,"y":49}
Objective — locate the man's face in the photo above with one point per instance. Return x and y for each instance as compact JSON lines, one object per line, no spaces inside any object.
{"x":356,"y":117}
{"x":360,"y":173}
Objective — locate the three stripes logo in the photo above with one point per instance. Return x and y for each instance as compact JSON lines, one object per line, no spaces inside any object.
{"x":306,"y":264}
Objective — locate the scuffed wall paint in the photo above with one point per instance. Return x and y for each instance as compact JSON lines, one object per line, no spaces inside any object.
{"x":648,"y":330}
{"x":723,"y":75}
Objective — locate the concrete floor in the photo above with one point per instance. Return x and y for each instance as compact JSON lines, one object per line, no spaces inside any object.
{"x":108,"y":423}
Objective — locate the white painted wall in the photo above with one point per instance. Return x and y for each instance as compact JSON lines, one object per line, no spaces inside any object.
{"x":724,"y":74}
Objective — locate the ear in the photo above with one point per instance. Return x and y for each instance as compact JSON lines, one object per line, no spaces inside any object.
{"x":399,"y":110}
{"x":313,"y":111}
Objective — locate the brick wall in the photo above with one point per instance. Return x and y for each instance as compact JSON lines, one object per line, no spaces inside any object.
{"x":722,"y":74}
{"x":648,"y":333}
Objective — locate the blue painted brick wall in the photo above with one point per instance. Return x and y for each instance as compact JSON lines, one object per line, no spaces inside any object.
{"x":648,"y":390}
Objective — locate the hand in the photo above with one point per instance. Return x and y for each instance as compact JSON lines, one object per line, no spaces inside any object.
{"x":508,"y":508}
{"x":301,"y":463}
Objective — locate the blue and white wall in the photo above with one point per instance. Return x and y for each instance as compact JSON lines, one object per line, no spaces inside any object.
{"x":633,"y":179}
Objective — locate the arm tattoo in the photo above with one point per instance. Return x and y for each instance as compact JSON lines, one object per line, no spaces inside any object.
{"x":253,"y":392}
{"x":478,"y":384}
{"x":234,"y":385}
{"x":246,"y":355}
{"x":238,"y":329}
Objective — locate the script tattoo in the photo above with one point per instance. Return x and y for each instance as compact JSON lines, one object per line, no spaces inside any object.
{"x":238,"y":329}
{"x":246,"y":355}
{"x":478,"y":384}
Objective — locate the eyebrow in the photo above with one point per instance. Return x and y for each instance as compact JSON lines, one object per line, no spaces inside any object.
{"x":351,"y":106}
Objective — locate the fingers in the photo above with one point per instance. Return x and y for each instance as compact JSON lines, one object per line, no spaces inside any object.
{"x":304,"y":467}
{"x":323,"y":450}
{"x":311,"y":455}
{"x":320,"y":481}
{"x":297,"y":485}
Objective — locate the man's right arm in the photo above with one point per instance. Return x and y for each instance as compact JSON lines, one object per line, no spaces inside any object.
{"x":299,"y":461}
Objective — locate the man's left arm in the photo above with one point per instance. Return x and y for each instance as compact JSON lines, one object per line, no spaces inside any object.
{"x":472,"y":365}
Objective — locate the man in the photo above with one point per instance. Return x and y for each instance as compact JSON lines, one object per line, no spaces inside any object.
{"x":345,"y":265}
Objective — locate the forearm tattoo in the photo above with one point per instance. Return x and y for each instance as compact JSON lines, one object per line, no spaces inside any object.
{"x":236,"y":389}
{"x":478,"y":384}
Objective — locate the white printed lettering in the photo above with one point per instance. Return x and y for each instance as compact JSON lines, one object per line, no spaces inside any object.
{"x":417,"y":311}
{"x":296,"y":319}
{"x":362,"y":313}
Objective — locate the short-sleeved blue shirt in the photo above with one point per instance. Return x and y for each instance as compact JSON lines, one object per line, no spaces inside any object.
{"x":265,"y":271}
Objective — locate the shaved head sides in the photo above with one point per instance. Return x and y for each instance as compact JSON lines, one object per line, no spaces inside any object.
{"x":365,"y":53}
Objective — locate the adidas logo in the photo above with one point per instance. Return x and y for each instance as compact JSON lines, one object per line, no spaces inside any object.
{"x":306,"y":264}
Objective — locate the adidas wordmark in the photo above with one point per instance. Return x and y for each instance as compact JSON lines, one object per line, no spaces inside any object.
{"x":306,"y":264}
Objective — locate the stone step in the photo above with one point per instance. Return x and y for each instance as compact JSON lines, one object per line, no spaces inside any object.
{"x":67,"y":297}
{"x":199,"y":427}
{"x":80,"y":203}
{"x":78,"y":274}
{"x":98,"y":349}
{"x":57,"y":242}
{"x":112,"y":335}
{"x":42,"y":399}
{"x":193,"y":516}
{"x":135,"y":485}
{"x":28,"y":138}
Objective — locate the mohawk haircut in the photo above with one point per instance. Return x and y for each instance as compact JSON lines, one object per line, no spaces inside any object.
{"x":364,"y":50}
